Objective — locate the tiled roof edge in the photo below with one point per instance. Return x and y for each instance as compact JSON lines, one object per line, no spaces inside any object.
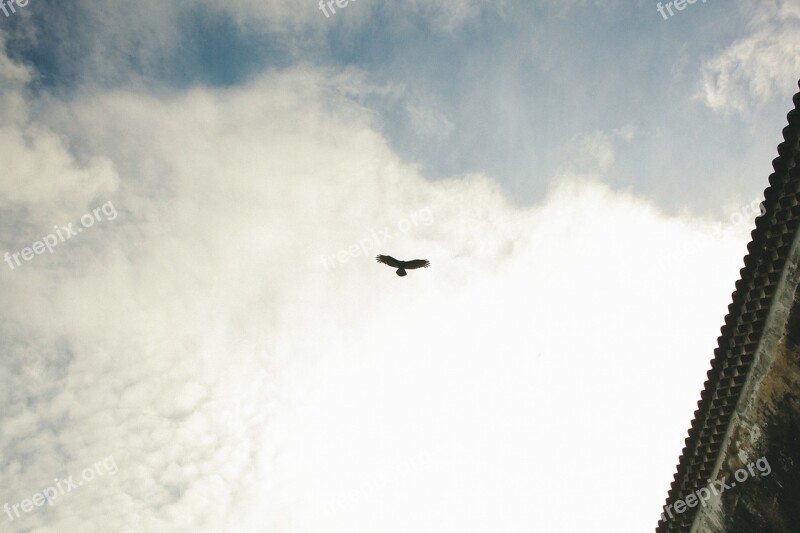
{"x":755,"y":279}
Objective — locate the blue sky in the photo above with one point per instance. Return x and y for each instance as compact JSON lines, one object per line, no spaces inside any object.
{"x":582,"y":175}
{"x":505,"y":90}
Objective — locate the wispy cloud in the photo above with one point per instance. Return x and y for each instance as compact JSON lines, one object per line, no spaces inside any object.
{"x":760,"y":66}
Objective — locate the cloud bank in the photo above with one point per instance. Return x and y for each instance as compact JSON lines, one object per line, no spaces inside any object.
{"x":242,"y":386}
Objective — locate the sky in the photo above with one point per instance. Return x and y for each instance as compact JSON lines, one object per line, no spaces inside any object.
{"x":195,"y":333}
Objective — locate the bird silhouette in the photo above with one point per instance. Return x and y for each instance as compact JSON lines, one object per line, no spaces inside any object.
{"x":401,"y":266}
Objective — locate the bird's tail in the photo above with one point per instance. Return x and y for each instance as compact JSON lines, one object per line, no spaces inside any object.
{"x":401,"y":272}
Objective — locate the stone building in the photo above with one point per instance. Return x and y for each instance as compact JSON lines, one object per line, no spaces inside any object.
{"x":740,"y":469}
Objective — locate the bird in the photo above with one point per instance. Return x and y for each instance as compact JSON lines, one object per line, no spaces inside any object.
{"x":402,"y":265}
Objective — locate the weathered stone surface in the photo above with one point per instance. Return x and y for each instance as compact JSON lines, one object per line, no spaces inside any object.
{"x":750,"y":406}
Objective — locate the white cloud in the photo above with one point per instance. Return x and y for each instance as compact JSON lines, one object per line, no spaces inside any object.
{"x":760,"y":66}
{"x":240,"y":385}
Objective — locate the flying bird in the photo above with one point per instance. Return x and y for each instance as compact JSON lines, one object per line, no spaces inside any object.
{"x":402,"y":265}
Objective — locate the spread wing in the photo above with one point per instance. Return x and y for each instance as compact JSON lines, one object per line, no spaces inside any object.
{"x":416,"y":263}
{"x":389,"y":260}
